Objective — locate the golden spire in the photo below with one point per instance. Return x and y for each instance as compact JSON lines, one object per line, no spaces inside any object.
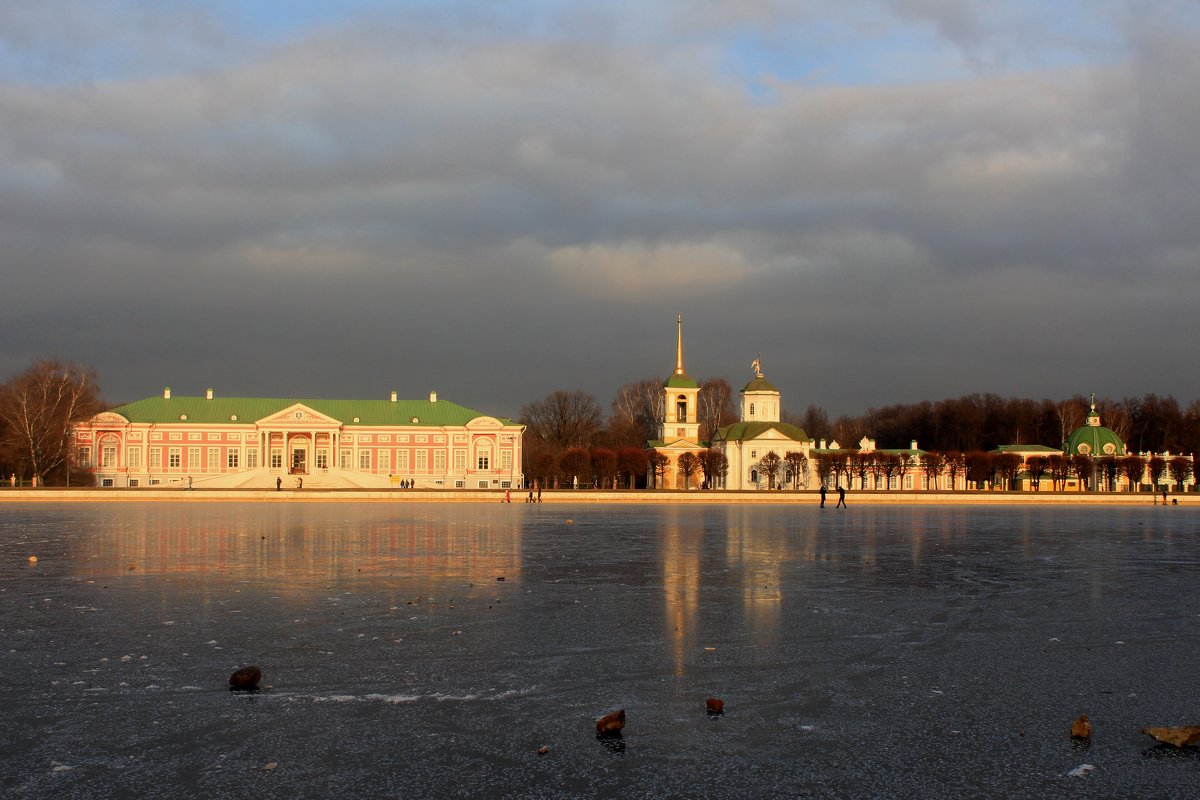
{"x":679,"y":344}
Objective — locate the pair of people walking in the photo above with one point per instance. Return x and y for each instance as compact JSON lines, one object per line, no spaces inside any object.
{"x":841,"y":503}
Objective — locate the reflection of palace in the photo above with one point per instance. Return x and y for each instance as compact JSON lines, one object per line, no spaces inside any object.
{"x":297,"y":551}
{"x":251,"y":442}
{"x":762,"y":452}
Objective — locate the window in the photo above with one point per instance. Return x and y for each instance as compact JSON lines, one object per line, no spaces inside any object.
{"x":231,"y":460}
{"x":439,"y":461}
{"x":133,"y":483}
{"x":483,"y":460}
{"x":106,"y":482}
{"x":482,"y":484}
{"x":83,"y":456}
{"x":344,"y":459}
{"x":752,"y":409}
{"x":505,"y":484}
{"x":402,"y":461}
{"x":385,"y":460}
{"x":459,"y":484}
{"x":214,"y":458}
{"x":174,"y":458}
{"x":364,"y":460}
{"x":193,"y":458}
{"x":422,"y":461}
{"x":251,"y":459}
{"x":460,"y":461}
{"x":908,"y":481}
{"x":681,"y":408}
{"x":155,"y":457}
{"x":505,"y":460}
{"x":276,"y":458}
{"x":322,"y":459}
{"x":108,"y":456}
{"x":134,"y":455}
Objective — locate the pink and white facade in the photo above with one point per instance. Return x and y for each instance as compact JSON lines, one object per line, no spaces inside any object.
{"x":207,"y":442}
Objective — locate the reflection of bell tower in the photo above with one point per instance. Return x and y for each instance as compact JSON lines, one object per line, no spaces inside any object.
{"x":681,"y":418}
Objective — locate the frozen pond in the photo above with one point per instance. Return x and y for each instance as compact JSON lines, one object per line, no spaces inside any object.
{"x":879,"y":652}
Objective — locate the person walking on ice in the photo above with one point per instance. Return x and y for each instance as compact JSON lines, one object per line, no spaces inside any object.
{"x":841,"y":503}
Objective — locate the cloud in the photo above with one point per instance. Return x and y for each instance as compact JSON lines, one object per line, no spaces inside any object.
{"x":496,"y":183}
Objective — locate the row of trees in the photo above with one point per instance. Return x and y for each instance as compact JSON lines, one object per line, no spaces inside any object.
{"x":984,"y":421}
{"x":974,"y":423}
{"x":1003,"y":469}
{"x":37,"y":410}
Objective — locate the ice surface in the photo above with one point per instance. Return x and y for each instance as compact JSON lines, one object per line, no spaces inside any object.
{"x":882,"y":652}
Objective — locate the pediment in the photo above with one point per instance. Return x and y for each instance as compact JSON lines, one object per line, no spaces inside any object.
{"x":299,"y":415}
{"x":109,"y":418}
{"x":486,"y":423}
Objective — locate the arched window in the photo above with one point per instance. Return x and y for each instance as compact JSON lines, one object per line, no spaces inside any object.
{"x":681,"y":408}
{"x":752,"y":409}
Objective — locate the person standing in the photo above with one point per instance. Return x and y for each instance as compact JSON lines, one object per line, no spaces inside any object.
{"x":841,"y":503}
{"x":278,"y":483}
{"x":822,"y":495}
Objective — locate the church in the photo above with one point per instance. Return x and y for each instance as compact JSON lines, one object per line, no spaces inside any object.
{"x":743,"y":445}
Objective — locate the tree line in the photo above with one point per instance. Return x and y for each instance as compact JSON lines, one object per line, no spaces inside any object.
{"x":965,"y":428}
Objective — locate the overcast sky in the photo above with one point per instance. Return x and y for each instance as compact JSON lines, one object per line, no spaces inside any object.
{"x":886,"y":201}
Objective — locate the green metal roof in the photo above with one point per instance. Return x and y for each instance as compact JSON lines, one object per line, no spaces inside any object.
{"x":760,"y":385}
{"x":683,"y":381}
{"x":1026,"y":448}
{"x":1094,"y":437}
{"x":741,"y":431}
{"x":221,"y":410}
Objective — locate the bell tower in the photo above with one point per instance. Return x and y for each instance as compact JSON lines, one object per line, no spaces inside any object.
{"x":681,"y":408}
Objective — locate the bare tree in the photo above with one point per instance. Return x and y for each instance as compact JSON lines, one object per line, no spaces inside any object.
{"x":1007,"y":465}
{"x":717,"y":408}
{"x":769,"y":464}
{"x":1060,"y":469}
{"x":797,"y":464}
{"x":1070,"y":415}
{"x":933,"y":463}
{"x":1134,"y":469}
{"x":637,"y":411}
{"x":824,"y":466}
{"x":604,"y":467}
{"x":658,"y":464}
{"x":1037,"y":467}
{"x":1157,"y":465}
{"x":38,"y":408}
{"x":956,"y":465}
{"x":1181,"y":470}
{"x":687,"y":465}
{"x":571,"y":463}
{"x":715,"y":465}
{"x":1082,"y":466}
{"x":563,"y":419}
{"x":631,"y":462}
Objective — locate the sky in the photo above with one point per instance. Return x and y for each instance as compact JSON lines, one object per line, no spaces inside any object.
{"x":884,"y":201}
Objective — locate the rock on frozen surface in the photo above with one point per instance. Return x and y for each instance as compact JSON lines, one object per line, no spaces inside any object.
{"x":835,"y":632}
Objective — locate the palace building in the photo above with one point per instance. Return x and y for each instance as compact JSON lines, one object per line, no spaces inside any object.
{"x":253,"y":442}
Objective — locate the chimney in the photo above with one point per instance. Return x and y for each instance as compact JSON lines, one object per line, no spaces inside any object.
{"x":208,"y":394}
{"x":433,"y":397}
{"x":393,"y":397}
{"x":167,"y":393}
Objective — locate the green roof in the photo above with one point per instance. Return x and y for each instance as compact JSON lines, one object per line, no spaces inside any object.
{"x":683,"y":381}
{"x":760,"y":385}
{"x":1094,"y":439}
{"x":1027,"y":448}
{"x":741,"y":431}
{"x":222,"y":410}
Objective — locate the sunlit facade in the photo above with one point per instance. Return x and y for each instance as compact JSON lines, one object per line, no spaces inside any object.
{"x":240,"y":442}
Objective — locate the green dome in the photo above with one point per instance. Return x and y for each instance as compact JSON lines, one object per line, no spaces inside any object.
{"x":760,"y":385}
{"x":683,"y":381}
{"x":1094,"y":440}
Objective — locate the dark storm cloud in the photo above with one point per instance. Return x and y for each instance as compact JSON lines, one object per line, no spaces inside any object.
{"x":412,"y":205}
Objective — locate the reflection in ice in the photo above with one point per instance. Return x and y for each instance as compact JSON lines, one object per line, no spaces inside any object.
{"x":868,"y":652}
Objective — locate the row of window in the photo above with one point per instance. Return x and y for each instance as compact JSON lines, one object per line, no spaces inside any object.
{"x":382,"y":459}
